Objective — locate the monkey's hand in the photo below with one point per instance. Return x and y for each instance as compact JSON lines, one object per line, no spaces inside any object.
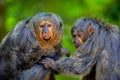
{"x":48,"y":62}
{"x":64,"y":51}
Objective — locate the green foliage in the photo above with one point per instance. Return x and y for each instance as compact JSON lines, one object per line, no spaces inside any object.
{"x":67,"y":77}
{"x":69,"y":10}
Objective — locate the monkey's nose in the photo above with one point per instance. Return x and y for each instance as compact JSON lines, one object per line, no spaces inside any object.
{"x":76,"y":40}
{"x":45,"y":30}
{"x":77,"y":43}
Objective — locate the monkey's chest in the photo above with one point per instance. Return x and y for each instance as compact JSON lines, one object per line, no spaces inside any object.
{"x":104,"y":70}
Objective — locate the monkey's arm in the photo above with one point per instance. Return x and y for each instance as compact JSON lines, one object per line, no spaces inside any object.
{"x":76,"y":64}
{"x":21,"y":44}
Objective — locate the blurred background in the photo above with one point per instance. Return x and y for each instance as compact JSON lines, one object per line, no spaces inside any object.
{"x":12,"y":11}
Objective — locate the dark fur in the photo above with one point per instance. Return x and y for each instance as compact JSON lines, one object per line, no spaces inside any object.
{"x":20,"y":50}
{"x":38,"y":72}
{"x":99,"y":57}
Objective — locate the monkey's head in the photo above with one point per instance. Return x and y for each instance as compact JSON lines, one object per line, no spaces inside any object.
{"x":48,"y":28}
{"x":83,"y":29}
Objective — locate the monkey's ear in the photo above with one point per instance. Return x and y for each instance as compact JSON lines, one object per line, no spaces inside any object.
{"x":27,"y":20}
{"x":90,"y":30}
{"x":61,"y":24}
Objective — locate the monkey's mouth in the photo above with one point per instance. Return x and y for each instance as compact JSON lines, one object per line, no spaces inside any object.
{"x":77,"y":45}
{"x":46,"y":37}
{"x":80,"y":43}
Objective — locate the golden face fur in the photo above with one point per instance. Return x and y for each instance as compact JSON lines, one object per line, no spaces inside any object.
{"x":50,"y":37}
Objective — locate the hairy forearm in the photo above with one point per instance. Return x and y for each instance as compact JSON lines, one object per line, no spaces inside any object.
{"x":73,"y":65}
{"x":67,"y":65}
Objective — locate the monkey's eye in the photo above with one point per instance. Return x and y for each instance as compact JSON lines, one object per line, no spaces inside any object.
{"x":73,"y":35}
{"x":41,"y":25}
{"x":49,"y":25}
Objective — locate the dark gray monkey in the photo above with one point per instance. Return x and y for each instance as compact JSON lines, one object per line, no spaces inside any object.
{"x":98,"y":51}
{"x":30,"y":41}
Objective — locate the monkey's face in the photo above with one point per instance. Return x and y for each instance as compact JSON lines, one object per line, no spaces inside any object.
{"x":78,"y":37}
{"x":46,"y":30}
{"x":81,"y":33}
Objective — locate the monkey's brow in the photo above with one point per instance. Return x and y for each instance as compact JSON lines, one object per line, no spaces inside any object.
{"x":46,"y":21}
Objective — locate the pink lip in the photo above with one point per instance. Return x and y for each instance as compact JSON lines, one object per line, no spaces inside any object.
{"x":46,"y":36}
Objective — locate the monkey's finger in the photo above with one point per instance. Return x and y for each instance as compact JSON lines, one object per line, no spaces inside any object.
{"x":44,"y":61}
{"x":65,"y":51}
{"x":68,"y":54}
{"x":46,"y":66}
{"x":48,"y":59}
